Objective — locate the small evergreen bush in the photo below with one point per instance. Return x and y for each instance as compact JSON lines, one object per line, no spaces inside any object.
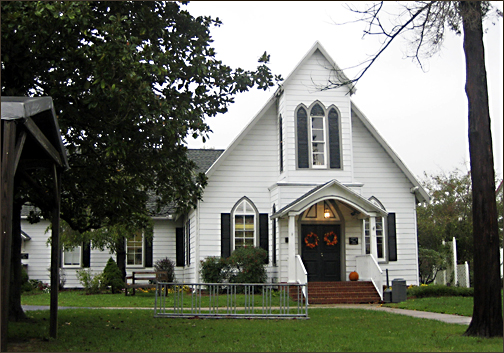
{"x":165,"y":265}
{"x":112,"y":277}
{"x":436,"y":290}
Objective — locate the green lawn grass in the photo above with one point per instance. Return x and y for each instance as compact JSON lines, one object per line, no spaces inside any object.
{"x":441,"y":304}
{"x":139,"y":300}
{"x":444,"y":305}
{"x":337,"y":330}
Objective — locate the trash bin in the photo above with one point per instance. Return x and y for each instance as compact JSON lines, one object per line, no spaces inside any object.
{"x":387,"y":295}
{"x":398,"y":290}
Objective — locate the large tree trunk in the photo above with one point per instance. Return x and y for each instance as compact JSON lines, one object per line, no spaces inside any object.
{"x":487,"y":312}
{"x":16,"y":312}
{"x":121,"y":257}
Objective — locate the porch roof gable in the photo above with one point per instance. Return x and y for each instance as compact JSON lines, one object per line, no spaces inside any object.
{"x":330,"y":190}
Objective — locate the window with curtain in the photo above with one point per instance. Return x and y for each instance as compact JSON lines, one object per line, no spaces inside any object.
{"x":73,"y":257}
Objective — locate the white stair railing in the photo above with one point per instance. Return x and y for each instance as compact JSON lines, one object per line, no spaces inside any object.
{"x":369,"y":270}
{"x":302,"y":275}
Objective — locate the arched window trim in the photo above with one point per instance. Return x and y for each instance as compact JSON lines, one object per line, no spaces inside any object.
{"x":374,"y":200}
{"x":235,"y":211}
{"x":328,"y":141}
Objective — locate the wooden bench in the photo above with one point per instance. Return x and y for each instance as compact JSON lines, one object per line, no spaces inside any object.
{"x":151,"y":276}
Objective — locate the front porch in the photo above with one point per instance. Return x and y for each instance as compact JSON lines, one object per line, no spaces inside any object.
{"x":329,"y":232}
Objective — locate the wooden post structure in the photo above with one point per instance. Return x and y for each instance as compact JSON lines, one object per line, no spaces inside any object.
{"x":17,"y":126}
{"x":55,"y":254}
{"x":7,"y":198}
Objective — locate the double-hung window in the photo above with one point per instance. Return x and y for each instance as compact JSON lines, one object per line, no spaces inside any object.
{"x":244,"y":225}
{"x":318,"y":137}
{"x":318,"y":145}
{"x":72,"y":257}
{"x":134,"y":250}
{"x":380,"y":238}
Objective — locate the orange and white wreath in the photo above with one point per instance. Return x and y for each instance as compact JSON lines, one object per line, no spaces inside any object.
{"x":308,"y":240}
{"x":334,"y":240}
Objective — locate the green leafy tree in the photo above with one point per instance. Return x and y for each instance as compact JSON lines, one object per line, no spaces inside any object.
{"x":130,"y":81}
{"x":424,"y":23}
{"x":448,"y":215}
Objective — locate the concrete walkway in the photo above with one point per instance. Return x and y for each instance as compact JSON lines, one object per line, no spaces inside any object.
{"x":448,"y":318}
{"x":451,"y":319}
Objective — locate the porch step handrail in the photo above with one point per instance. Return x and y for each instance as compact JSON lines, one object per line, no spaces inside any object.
{"x":302,"y":275}
{"x":369,"y":270}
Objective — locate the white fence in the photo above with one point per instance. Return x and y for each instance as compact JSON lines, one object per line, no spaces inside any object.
{"x":455,"y":274}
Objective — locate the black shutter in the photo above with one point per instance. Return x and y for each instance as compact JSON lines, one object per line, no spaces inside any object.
{"x":263,"y":234}
{"x":391,"y":237}
{"x":60,"y":260}
{"x":280,"y":134}
{"x":148,"y":252}
{"x":86,"y":255}
{"x":273,"y":238}
{"x":225,"y":235}
{"x":188,"y":242}
{"x":302,"y":139}
{"x":179,"y":246}
{"x":334,"y":139}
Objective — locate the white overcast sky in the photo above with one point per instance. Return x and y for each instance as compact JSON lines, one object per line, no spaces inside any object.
{"x":421,"y":115}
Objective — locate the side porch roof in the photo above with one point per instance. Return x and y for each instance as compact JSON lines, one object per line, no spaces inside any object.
{"x":331,"y":190}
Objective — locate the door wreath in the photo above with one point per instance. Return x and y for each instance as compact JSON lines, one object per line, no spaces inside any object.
{"x":334,"y":240}
{"x":308,"y":241}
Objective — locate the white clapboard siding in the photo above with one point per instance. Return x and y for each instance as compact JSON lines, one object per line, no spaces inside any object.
{"x":247,"y":169}
{"x":303,"y":90}
{"x":383,"y":179}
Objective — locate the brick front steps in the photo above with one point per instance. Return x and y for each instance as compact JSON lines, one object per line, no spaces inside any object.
{"x":358,"y":292}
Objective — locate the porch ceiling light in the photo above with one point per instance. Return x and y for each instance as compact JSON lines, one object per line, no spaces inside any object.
{"x":327,"y":214}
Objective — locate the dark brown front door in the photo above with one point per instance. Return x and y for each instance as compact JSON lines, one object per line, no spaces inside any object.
{"x":322,"y":260}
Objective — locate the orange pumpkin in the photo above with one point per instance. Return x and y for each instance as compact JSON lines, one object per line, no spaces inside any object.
{"x":353,"y":276}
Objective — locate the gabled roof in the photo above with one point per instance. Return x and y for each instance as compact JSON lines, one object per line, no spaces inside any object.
{"x":204,"y":158}
{"x":337,"y":71}
{"x":272,"y":100}
{"x":419,"y":191}
{"x":333,"y":189}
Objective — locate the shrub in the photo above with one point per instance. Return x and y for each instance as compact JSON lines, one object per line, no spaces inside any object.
{"x":214,"y":270}
{"x":249,"y":265}
{"x":92,"y":284}
{"x":436,"y":290}
{"x":25,"y":284}
{"x":112,"y":276}
{"x":165,"y":265}
{"x":62,"y":277}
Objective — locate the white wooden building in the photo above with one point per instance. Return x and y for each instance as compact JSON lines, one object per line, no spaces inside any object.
{"x":308,"y":166}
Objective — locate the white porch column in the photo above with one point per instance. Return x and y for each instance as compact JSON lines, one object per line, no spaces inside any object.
{"x":372,"y":240}
{"x":291,"y":263}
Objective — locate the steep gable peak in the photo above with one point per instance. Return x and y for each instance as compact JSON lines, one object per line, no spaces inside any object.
{"x":338,"y":73}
